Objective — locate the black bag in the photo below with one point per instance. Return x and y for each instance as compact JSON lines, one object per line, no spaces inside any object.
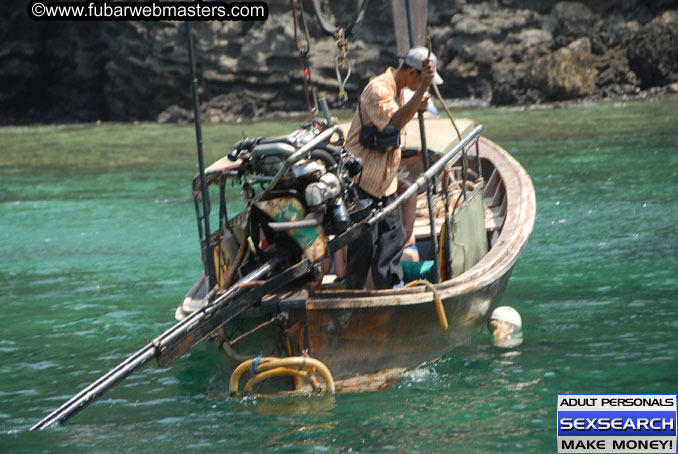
{"x":367,"y":137}
{"x":382,"y":141}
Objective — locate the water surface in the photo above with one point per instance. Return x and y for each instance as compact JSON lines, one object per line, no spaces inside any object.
{"x":98,"y":244}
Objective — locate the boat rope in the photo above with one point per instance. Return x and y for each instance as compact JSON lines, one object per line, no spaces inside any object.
{"x":359,"y":7}
{"x":225,"y":347}
{"x":341,"y":35}
{"x":309,"y":88}
{"x":288,"y":333}
{"x":280,"y":318}
{"x":341,"y":61}
{"x":465,"y":165}
{"x":263,"y":368}
{"x":440,"y":309}
{"x":440,"y":97}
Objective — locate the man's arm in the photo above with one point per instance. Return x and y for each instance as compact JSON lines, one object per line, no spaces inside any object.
{"x":418,"y":101}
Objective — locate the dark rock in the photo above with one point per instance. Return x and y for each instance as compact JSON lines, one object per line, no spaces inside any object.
{"x":175,"y":114}
{"x":615,"y":78}
{"x":483,"y":19}
{"x":224,"y":108}
{"x":490,"y":51}
{"x":568,"y":73}
{"x":653,"y":51}
{"x":572,"y":21}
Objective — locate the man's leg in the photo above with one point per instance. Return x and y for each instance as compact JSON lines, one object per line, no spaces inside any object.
{"x":408,"y":211}
{"x":359,"y":259}
{"x":390,"y":242}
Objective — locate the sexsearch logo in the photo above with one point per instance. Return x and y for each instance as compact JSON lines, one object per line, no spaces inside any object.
{"x":604,"y":423}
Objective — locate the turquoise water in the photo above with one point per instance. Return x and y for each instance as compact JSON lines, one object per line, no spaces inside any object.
{"x":98,"y":244}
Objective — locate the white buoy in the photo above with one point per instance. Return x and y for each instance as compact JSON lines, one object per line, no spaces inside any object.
{"x":506,"y":326}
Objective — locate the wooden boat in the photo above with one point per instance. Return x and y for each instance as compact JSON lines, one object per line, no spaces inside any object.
{"x":299,"y":191}
{"x":367,"y":338}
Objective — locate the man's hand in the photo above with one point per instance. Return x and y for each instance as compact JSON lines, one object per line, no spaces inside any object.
{"x":423,"y":105}
{"x":427,"y":72}
{"x":419,"y":100}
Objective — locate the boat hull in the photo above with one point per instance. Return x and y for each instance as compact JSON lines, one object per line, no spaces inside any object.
{"x":364,"y":332}
{"x":354,"y":341}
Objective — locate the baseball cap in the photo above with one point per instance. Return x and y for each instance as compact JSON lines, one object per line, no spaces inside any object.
{"x":417,"y":55}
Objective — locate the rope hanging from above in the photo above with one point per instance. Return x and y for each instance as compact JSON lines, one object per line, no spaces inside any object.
{"x":341,"y":61}
{"x":341,"y":35}
{"x":359,"y":7}
{"x":309,"y":88}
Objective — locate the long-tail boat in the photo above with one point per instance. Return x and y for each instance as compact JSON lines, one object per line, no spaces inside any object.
{"x":265,"y":288}
{"x":364,"y":338}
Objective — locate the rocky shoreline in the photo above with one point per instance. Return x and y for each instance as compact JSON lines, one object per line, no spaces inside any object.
{"x":491,"y":53}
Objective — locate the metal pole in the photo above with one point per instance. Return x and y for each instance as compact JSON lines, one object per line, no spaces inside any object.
{"x":151,"y":350}
{"x":96,"y":389}
{"x":148,"y":352}
{"x":427,"y":164}
{"x":451,"y":155}
{"x":209,"y":259}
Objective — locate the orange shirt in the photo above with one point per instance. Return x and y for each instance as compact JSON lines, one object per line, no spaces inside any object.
{"x":378,"y":102}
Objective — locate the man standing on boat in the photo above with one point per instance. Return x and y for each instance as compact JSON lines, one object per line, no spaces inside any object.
{"x":374,"y":137}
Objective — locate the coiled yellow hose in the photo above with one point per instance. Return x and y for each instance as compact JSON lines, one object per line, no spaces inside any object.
{"x":269,"y":367}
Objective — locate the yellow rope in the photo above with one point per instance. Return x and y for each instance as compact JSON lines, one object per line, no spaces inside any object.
{"x":440,"y":309}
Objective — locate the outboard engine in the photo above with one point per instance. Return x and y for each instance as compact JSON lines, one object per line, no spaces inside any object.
{"x":302,"y":198}
{"x":327,"y":193}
